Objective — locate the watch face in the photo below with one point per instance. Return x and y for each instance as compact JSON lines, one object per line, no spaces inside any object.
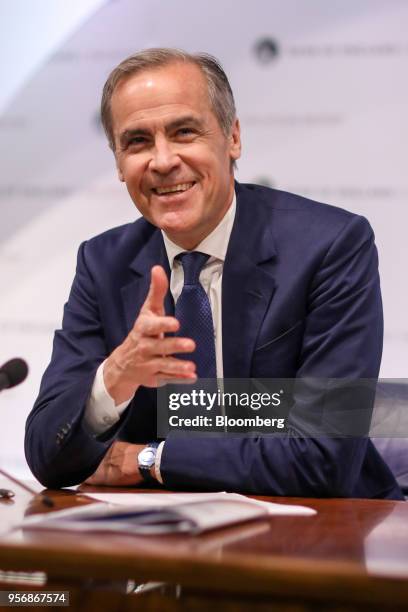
{"x":146,"y":457}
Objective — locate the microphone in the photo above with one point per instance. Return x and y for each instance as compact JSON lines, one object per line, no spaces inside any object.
{"x":12,"y":373}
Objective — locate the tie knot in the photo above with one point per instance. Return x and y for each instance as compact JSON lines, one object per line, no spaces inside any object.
{"x":192,"y":262}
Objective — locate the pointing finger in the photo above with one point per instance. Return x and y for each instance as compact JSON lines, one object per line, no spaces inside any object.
{"x":157,"y":291}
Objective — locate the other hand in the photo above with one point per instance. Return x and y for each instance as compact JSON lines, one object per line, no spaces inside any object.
{"x":118,"y":467}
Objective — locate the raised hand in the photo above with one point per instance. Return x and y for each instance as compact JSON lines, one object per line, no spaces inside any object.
{"x":146,"y":356}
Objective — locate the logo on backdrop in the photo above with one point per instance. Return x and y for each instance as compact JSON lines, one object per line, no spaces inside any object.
{"x":266,"y":50}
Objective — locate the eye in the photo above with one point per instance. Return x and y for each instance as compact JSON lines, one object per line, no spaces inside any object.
{"x":137,"y":140}
{"x":185,"y":131}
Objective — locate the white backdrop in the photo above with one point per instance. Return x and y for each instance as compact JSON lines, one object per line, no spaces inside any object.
{"x":321,"y":92}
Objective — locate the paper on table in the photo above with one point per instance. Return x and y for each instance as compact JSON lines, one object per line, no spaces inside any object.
{"x":162,"y":499}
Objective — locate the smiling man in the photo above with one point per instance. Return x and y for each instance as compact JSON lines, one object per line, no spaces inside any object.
{"x":217,"y":279}
{"x":172,"y":152}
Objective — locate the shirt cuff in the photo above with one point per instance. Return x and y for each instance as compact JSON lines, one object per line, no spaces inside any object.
{"x":157,"y":463}
{"x":100,"y":411}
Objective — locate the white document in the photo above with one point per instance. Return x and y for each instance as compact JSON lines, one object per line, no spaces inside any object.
{"x":155,"y":513}
{"x":167,"y":499}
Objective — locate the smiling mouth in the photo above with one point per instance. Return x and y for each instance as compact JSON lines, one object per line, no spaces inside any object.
{"x":180,"y":188}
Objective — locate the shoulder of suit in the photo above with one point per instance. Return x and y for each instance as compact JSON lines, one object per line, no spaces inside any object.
{"x":296,"y":216}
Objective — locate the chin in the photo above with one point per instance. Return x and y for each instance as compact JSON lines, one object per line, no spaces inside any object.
{"x":177,"y":223}
{"x":175,"y":233}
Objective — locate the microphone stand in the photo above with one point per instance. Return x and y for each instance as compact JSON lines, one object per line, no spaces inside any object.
{"x":47,"y":501}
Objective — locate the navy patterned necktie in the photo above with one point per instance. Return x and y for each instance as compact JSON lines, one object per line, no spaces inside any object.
{"x":193,"y":311}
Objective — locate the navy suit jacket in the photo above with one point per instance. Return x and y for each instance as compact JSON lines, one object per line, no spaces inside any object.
{"x":300,"y":298}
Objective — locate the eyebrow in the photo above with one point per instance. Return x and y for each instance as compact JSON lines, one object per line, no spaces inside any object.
{"x":189,"y":120}
{"x":185,"y":120}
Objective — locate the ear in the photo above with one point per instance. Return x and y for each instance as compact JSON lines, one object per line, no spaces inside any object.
{"x":235,"y":141}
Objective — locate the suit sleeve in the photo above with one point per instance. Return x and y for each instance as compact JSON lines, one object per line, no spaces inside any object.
{"x":59,"y":449}
{"x":342,"y":339}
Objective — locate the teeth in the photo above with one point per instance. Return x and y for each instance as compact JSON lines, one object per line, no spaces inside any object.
{"x":181,"y":187}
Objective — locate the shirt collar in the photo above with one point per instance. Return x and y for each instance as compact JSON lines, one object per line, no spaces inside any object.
{"x":215,"y":244}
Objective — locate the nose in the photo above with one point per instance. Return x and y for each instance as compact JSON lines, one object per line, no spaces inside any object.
{"x":164,"y":158}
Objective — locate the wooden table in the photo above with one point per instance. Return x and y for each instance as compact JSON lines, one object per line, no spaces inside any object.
{"x":352,"y":555}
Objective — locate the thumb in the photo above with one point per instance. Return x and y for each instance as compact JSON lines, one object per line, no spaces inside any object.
{"x":157,"y":290}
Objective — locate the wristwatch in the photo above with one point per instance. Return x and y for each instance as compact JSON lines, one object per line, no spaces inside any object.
{"x":145,"y":461}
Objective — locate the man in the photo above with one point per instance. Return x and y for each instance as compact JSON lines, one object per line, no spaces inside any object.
{"x":291,"y":287}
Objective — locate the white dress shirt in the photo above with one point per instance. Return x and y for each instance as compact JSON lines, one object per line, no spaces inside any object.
{"x":100,"y":412}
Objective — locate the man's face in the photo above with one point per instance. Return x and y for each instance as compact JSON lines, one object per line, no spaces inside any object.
{"x":171,"y":151}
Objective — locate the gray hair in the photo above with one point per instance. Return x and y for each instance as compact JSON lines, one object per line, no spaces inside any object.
{"x":219,"y":90}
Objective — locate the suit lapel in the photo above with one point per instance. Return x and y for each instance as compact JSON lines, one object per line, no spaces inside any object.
{"x":247,"y":285}
{"x":134,"y":293}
